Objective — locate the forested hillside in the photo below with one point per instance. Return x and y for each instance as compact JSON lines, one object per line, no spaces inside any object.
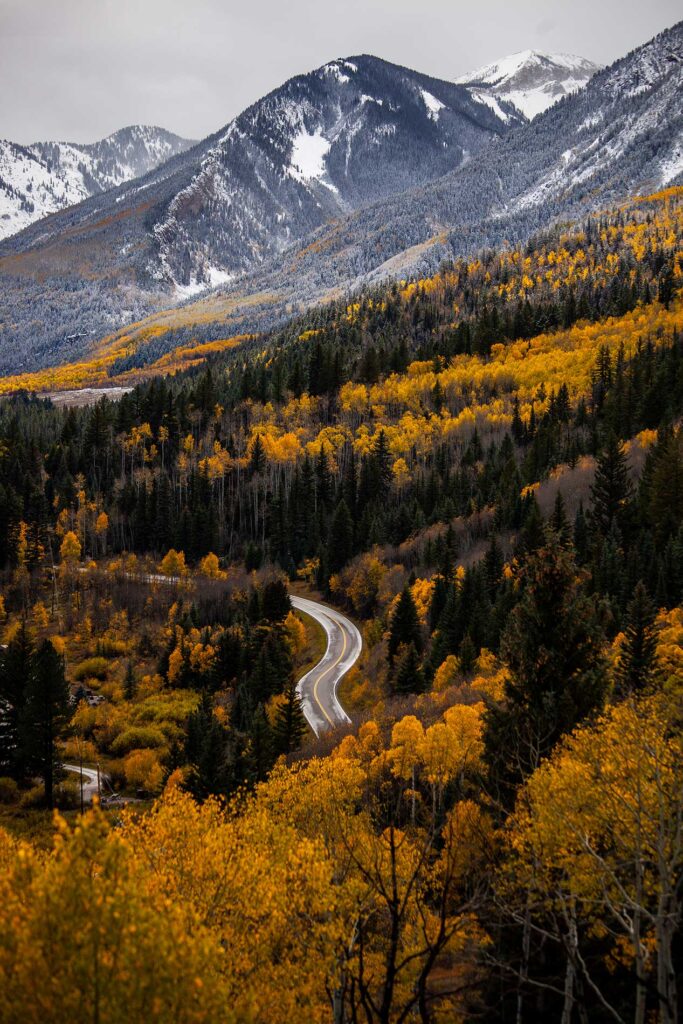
{"x":484,"y":468}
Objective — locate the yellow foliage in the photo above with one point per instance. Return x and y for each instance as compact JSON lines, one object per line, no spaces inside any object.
{"x":296,"y":633}
{"x":173,"y":564}
{"x":70,"y":548}
{"x":210,"y":566}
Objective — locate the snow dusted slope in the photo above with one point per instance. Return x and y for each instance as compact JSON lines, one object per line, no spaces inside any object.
{"x":30,"y":189}
{"x":530,"y":80}
{"x":323,"y":144}
{"x":44,"y":177}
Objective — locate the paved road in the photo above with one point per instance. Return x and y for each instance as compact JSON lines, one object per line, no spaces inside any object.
{"x":90,"y":783}
{"x":318,"y":688}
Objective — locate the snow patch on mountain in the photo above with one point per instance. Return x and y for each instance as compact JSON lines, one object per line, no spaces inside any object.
{"x":308,"y":155}
{"x":491,"y":101}
{"x":672,"y":166}
{"x":433,"y":105}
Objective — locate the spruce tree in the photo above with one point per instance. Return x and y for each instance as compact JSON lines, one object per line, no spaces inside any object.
{"x":552,"y":646}
{"x":636,"y":669}
{"x":559,"y":521}
{"x":15,"y":669}
{"x":532,"y":534}
{"x":405,"y":625}
{"x":45,"y":715}
{"x":290,"y":725}
{"x":258,"y":754}
{"x":130,"y":682}
{"x":340,"y":544}
{"x":208,"y":753}
{"x":257,"y":460}
{"x":275,"y":603}
{"x":409,"y":677}
{"x":467,"y":656}
{"x":611,"y":492}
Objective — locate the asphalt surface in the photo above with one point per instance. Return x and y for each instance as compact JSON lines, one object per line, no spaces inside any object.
{"x":318,"y":688}
{"x":90,"y":783}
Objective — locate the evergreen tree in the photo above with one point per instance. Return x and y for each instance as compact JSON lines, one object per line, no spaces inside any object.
{"x":208,"y":753}
{"x":637,"y":665}
{"x":15,"y":670}
{"x":45,"y":715}
{"x":611,"y":492}
{"x":130,"y":684}
{"x":552,"y":647}
{"x":532,"y":533}
{"x":257,"y":461}
{"x":467,"y":656}
{"x":409,"y":677}
{"x":405,"y":625}
{"x":290,"y":725}
{"x":559,"y":521}
{"x":275,"y":603}
{"x":258,"y":754}
{"x":340,"y":545}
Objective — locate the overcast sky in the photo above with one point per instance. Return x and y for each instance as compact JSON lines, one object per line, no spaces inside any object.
{"x":79,"y":69}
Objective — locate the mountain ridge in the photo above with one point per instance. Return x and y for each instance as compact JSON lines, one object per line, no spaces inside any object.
{"x":620,"y":134}
{"x":44,"y":177}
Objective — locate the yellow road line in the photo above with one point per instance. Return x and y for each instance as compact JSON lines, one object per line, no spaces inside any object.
{"x":323,"y":674}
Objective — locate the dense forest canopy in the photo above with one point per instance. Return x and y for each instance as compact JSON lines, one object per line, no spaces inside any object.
{"x":485,"y":469}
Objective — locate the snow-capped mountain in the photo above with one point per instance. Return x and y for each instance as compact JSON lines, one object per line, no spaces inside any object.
{"x":324,"y":144}
{"x":355,"y":172}
{"x":320,"y":146}
{"x":532,"y":81}
{"x":45,"y":177}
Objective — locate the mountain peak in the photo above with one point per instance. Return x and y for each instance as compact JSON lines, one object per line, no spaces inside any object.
{"x":531,"y":79}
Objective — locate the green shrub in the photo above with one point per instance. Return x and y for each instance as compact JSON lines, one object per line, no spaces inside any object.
{"x":33,"y":797}
{"x":107,"y":648}
{"x":68,"y":793}
{"x":135,"y":737}
{"x":91,"y":668}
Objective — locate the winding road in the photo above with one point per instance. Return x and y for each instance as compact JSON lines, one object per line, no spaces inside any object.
{"x":318,"y":688}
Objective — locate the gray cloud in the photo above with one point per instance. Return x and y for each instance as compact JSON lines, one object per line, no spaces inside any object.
{"x":79,"y":69}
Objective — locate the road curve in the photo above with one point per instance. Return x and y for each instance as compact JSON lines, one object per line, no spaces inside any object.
{"x":318,"y":688}
{"x":91,"y":784}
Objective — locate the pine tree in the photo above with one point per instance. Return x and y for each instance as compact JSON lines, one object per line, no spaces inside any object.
{"x":409,"y":677}
{"x":45,"y":715}
{"x":257,"y":461}
{"x":405,"y":625}
{"x":637,"y":665}
{"x":15,"y":670}
{"x":559,"y":521}
{"x":552,"y":646}
{"x":275,"y":603}
{"x":611,"y":492}
{"x":381,"y":458}
{"x":290,"y":725}
{"x":340,"y":544}
{"x":130,"y":684}
{"x":258,"y":755}
{"x":208,"y":753}
{"x":532,"y":533}
{"x":467,"y":656}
